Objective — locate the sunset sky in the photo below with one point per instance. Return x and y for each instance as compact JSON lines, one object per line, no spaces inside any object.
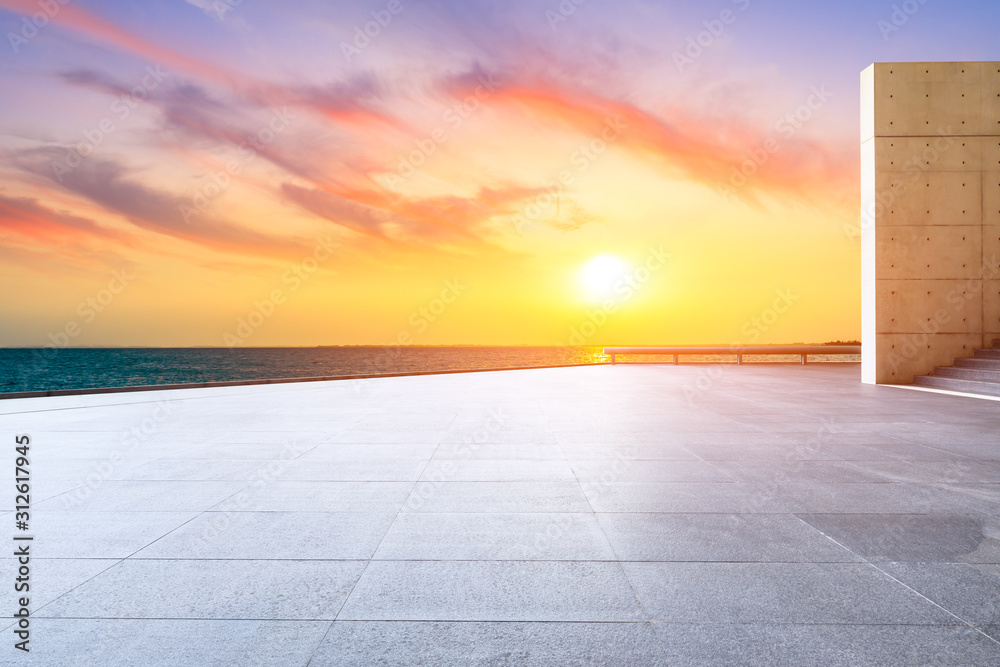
{"x":226,"y":172}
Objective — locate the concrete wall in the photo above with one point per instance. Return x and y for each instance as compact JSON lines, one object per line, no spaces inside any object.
{"x":930,"y":215}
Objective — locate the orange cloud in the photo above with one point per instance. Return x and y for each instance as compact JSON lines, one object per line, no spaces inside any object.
{"x":708,"y":150}
{"x":27,"y":217}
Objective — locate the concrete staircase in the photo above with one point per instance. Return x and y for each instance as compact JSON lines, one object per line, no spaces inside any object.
{"x":978,"y":375}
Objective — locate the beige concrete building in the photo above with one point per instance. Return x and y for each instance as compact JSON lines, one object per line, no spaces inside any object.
{"x":930,"y":215}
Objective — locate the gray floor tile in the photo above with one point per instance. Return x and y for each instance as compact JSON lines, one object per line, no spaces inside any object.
{"x":258,"y":451}
{"x":46,"y":441}
{"x":492,"y":591}
{"x":973,"y":497}
{"x":496,"y":497}
{"x":628,"y":452}
{"x":758,"y":645}
{"x":649,"y":471}
{"x":219,"y":589}
{"x":854,"y":444}
{"x":662,"y":434}
{"x":103,"y":449}
{"x":62,"y":492}
{"x":824,"y":472}
{"x":720,"y":538}
{"x":498,"y":470}
{"x":493,"y":452}
{"x":974,"y":447}
{"x":168,"y":642}
{"x":466,"y":536}
{"x":938,"y":538}
{"x":971,"y":471}
{"x":898,"y":498}
{"x":77,"y":469}
{"x":291,"y":496}
{"x":384,"y":470}
{"x":368,"y":452}
{"x":51,"y":578}
{"x":971,"y":592}
{"x":274,"y":535}
{"x":991,"y":630}
{"x":507,"y":436}
{"x":387,"y":437}
{"x":776,"y":448}
{"x":198,"y":470}
{"x":487,"y":644}
{"x":144,"y":496}
{"x":685,"y":497}
{"x":816,"y":449}
{"x":977,"y":441}
{"x":273,"y":436}
{"x":61,"y":534}
{"x":395,"y":421}
{"x":777,"y":593}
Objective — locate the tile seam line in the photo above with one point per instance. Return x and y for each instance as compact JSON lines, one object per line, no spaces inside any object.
{"x":964,"y":500}
{"x":203,"y":512}
{"x":169,"y":532}
{"x":399,"y":511}
{"x":118,"y":562}
{"x":141,"y":481}
{"x":614,"y":552}
{"x":871,"y":564}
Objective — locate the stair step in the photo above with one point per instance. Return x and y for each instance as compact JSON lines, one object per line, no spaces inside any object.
{"x":979,"y":374}
{"x":987,"y":354}
{"x":981,"y":364}
{"x":954,"y":384}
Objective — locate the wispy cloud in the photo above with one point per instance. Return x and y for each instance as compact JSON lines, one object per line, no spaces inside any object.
{"x":29,"y":217}
{"x":705,"y":150}
{"x":343,"y":102}
{"x":445,"y":222}
{"x":118,"y":190}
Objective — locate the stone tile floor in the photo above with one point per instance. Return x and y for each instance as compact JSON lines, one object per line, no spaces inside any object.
{"x":628,"y":515}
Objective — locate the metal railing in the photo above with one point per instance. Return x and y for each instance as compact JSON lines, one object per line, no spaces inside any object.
{"x":801,"y":350}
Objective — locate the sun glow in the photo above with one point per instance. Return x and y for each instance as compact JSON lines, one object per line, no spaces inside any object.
{"x":601,"y":275}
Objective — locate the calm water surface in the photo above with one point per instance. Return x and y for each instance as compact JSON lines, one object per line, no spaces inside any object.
{"x":26,"y":369}
{"x":75,"y":368}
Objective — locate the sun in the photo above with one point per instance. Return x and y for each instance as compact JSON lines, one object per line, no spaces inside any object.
{"x":600,"y":277}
